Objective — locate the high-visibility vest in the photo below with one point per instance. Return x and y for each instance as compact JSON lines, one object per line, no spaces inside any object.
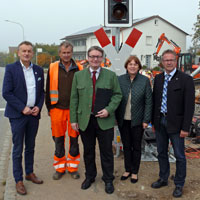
{"x":53,"y":75}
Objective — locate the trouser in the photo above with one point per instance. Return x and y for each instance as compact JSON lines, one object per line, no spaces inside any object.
{"x":24,"y":130}
{"x":162,"y":140}
{"x":131,"y":139}
{"x":60,"y":122}
{"x":104,"y":138}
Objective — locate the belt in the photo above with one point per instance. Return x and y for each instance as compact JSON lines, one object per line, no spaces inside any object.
{"x":163,"y":114}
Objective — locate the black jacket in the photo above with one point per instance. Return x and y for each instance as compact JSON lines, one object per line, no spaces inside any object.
{"x":180,"y":102}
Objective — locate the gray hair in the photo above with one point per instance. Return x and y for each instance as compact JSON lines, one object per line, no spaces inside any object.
{"x":170,"y":52}
{"x":26,"y":43}
{"x":65,"y":44}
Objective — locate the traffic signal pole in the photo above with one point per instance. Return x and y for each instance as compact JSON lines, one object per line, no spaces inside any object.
{"x":116,"y":34}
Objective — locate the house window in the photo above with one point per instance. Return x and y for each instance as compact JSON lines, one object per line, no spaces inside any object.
{"x":79,"y":42}
{"x":149,"y":40}
{"x":156,"y":22}
{"x":148,"y":61}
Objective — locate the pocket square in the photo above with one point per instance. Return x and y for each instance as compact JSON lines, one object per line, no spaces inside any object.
{"x":39,"y":78}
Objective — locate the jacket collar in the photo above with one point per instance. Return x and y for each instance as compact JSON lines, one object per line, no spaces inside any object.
{"x":71,"y":67}
{"x":128,"y":76}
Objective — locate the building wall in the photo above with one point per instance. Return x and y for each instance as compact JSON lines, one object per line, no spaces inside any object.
{"x":152,"y":30}
{"x":146,"y":46}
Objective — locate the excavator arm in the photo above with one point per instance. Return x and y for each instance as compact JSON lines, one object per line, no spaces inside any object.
{"x":161,"y":40}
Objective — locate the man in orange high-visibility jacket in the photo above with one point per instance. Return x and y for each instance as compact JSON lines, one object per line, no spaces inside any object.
{"x":58,"y":90}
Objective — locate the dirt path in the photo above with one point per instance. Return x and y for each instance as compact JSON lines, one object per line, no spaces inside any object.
{"x":68,"y":188}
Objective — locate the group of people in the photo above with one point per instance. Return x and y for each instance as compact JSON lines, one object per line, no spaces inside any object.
{"x":72,"y":98}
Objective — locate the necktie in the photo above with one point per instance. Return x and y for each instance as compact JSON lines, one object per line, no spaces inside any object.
{"x":164,"y":95}
{"x":94,"y":82}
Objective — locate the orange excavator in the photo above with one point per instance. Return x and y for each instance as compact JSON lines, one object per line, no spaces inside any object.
{"x":185,"y":61}
{"x":161,"y":40}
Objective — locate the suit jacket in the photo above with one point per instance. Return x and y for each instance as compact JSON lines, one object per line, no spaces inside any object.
{"x":15,"y":91}
{"x":180,"y":102}
{"x":81,"y":98}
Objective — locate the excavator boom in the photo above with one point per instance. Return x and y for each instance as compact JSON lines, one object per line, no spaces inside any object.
{"x":161,"y":40}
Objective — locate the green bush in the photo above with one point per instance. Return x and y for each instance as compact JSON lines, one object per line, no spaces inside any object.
{"x":156,"y":68}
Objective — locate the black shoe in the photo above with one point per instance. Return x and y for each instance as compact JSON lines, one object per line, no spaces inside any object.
{"x":109,"y":188}
{"x":87,"y":183}
{"x":125,"y":177}
{"x":159,"y":183}
{"x":133,"y":180}
{"x":178,"y":191}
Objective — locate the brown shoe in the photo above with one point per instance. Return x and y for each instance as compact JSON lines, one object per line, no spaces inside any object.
{"x":20,"y":188}
{"x":32,"y":177}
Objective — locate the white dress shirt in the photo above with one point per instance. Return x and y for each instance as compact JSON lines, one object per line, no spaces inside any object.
{"x":30,"y":84}
{"x":97,"y":72}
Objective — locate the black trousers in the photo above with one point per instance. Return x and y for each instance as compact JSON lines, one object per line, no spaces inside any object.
{"x":131,"y":139}
{"x":104,"y":138}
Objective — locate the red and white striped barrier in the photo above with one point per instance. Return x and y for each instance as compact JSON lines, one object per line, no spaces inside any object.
{"x":118,"y":59}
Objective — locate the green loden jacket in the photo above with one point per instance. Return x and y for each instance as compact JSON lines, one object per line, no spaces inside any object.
{"x":141,"y":99}
{"x":81,"y":98}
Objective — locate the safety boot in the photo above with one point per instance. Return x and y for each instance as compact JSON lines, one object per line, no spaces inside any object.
{"x":58,"y":175}
{"x":75,"y":175}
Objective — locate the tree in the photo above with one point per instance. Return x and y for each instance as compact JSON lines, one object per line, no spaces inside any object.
{"x":196,"y":36}
{"x":3,"y":57}
{"x":49,"y":54}
{"x":44,"y":59}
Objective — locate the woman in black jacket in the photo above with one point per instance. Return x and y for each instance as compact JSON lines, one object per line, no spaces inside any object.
{"x":133,"y":115}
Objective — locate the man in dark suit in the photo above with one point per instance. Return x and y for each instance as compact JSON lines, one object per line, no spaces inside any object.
{"x":173,"y":108}
{"x":84,"y":94}
{"x":23,"y":89}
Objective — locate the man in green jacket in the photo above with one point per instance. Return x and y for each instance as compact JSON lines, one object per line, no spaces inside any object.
{"x":95,"y":125}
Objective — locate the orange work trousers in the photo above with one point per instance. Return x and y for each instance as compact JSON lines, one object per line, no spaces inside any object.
{"x":60,"y":123}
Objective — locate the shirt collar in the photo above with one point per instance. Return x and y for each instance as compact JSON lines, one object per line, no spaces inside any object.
{"x":63,"y":66}
{"x":98,"y":70}
{"x":30,"y":66}
{"x":171,"y":73}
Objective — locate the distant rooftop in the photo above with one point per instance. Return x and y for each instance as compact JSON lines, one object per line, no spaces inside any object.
{"x":92,"y":29}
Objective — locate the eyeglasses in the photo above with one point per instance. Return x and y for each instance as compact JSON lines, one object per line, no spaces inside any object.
{"x":169,"y":60}
{"x":97,"y":57}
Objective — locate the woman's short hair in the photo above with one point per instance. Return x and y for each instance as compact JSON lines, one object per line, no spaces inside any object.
{"x":136,"y":59}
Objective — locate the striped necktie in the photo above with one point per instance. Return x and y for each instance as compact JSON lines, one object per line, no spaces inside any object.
{"x":164,"y":94}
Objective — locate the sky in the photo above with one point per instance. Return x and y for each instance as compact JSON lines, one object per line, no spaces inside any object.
{"x":47,"y":21}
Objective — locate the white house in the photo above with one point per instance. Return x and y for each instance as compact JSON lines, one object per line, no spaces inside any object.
{"x":151,"y":27}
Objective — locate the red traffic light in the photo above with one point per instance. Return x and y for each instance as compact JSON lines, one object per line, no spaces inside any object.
{"x":119,"y":11}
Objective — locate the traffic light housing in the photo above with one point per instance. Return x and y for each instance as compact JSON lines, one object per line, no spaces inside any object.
{"x":118,"y":13}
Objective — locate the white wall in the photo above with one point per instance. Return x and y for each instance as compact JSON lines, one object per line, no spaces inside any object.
{"x":150,"y":29}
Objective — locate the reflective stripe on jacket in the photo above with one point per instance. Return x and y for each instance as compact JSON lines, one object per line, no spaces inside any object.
{"x":53,"y":72}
